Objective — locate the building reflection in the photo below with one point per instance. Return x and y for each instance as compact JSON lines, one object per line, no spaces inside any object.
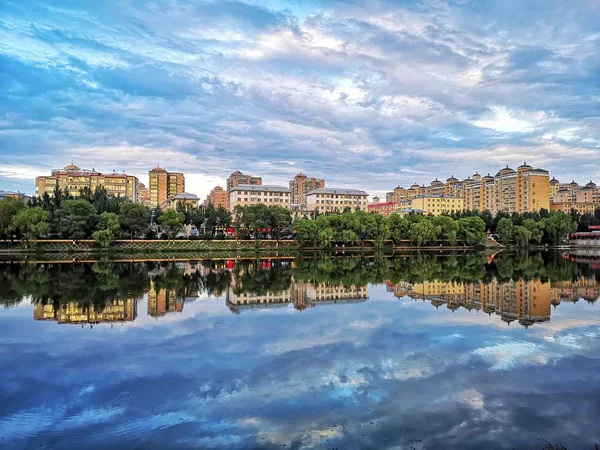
{"x":525,"y":301}
{"x":117,"y":311}
{"x":301,"y":295}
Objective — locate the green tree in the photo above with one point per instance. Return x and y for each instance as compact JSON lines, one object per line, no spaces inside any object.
{"x":307,"y":232}
{"x":172,"y":222}
{"x":133,"y":218}
{"x":471,"y":230}
{"x":505,"y":230}
{"x":9,"y":207}
{"x":422,"y":233}
{"x":557,"y":226}
{"x":446,"y":228}
{"x":108,"y":229}
{"x":399,"y":228}
{"x":536,"y":229}
{"x":522,"y":236}
{"x":31,"y":222}
{"x":76,"y":219}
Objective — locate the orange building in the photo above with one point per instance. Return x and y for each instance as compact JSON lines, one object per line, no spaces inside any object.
{"x":217,"y":196}
{"x":572,"y":197}
{"x":144,"y":195}
{"x":301,"y":185}
{"x":164,"y":185}
{"x":384,"y":208}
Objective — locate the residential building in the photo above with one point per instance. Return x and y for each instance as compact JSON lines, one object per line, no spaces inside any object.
{"x":249,"y":194}
{"x":573,"y":197}
{"x":182,"y":199}
{"x":301,"y":184}
{"x":238,"y":177}
{"x":162,"y":301}
{"x":437,"y":204}
{"x":164,"y":185}
{"x":384,"y":208}
{"x":523,"y":190}
{"x":336,"y":200}
{"x":118,"y":310}
{"x":144,"y":195}
{"x":217,"y":196}
{"x":74,"y":179}
{"x":12,"y":194}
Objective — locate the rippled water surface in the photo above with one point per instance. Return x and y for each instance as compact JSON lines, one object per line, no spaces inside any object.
{"x":420,"y":351}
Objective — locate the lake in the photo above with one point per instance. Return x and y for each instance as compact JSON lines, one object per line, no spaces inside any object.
{"x":416,"y":351}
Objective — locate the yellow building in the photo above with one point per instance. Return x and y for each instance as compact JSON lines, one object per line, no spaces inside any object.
{"x":73,"y":179}
{"x":437,"y":204}
{"x":334,"y":200}
{"x":121,"y":310}
{"x":249,"y":195}
{"x":523,"y":190}
{"x":572,"y":197}
{"x":164,"y":185}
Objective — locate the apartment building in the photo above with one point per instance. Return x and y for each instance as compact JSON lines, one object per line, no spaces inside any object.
{"x":249,"y":195}
{"x":74,"y":179}
{"x":436,"y":204}
{"x":301,"y":185}
{"x":184,"y":199}
{"x":217,"y":196}
{"x":522,"y":190}
{"x":164,"y":185}
{"x":144,"y":195}
{"x":336,"y":200}
{"x":238,"y":177}
{"x":573,"y":197}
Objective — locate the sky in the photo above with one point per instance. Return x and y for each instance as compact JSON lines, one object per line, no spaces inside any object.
{"x":384,"y":373}
{"x":367,"y":94}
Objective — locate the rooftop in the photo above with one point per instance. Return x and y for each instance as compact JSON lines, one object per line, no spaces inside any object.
{"x":338,"y":191}
{"x":186,"y":196}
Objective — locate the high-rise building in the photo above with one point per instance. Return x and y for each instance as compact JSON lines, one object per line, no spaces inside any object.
{"x":74,"y":179}
{"x":144,"y":195}
{"x":164,"y":185}
{"x":573,"y":197}
{"x":238,"y":177}
{"x":301,"y":185}
{"x":523,"y":190}
{"x":217,"y":196}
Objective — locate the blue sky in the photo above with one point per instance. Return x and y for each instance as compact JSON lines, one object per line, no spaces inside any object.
{"x":366,"y":94}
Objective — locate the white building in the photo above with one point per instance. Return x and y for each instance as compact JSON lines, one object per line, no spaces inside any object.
{"x":335,"y":200}
{"x":251,"y":194}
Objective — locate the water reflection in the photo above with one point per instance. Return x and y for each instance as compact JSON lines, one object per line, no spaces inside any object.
{"x":307,"y":353}
{"x":512,"y":287}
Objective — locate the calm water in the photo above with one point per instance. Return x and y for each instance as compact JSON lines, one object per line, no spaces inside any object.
{"x":422,"y":352}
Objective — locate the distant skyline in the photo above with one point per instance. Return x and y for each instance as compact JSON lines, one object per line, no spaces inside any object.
{"x":367,"y":94}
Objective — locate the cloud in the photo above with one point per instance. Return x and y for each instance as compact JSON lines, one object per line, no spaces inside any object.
{"x":356,"y":93}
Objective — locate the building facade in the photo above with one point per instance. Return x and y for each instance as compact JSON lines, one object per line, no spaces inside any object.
{"x":144,"y":195}
{"x":436,"y":204}
{"x":522,"y":190}
{"x":184,"y":199}
{"x":301,"y":185}
{"x":573,"y":197}
{"x":336,"y":200}
{"x":164,"y":185}
{"x":384,"y":208}
{"x":249,"y":195}
{"x":238,"y":177}
{"x":217,"y":196}
{"x":73,"y":179}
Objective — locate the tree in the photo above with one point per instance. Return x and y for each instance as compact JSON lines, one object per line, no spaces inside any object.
{"x":422,"y":233}
{"x":522,"y":236}
{"x":446,"y":228}
{"x":307,"y":232}
{"x":133,"y":218}
{"x":471,"y":230}
{"x":557,"y":226}
{"x":280,"y":219}
{"x":76,"y":219}
{"x":9,"y":207}
{"x":399,"y":228}
{"x":172,"y":222}
{"x":536,"y":229}
{"x":32,"y":222}
{"x":108,"y":229}
{"x":505,"y":230}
